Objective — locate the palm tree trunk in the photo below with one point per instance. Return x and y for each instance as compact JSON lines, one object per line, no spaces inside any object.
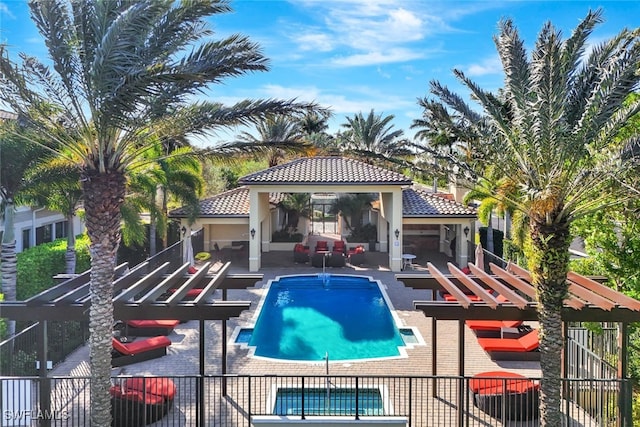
{"x":549,"y":264}
{"x":70,"y":254}
{"x":9,"y":261}
{"x":103,"y":195}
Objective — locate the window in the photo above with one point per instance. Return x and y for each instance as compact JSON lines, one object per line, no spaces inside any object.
{"x":26,"y":238}
{"x":43,"y":234}
{"x":62,"y":229}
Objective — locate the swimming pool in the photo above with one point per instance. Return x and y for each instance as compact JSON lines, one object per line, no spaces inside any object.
{"x":328,"y":401}
{"x":310,"y":317}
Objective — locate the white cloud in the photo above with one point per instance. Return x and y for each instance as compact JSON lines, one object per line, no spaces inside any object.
{"x":4,"y":10}
{"x":315,"y":41}
{"x":377,"y":57}
{"x":490,"y":65}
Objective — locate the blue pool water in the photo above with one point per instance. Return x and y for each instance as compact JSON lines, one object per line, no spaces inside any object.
{"x":320,"y":401}
{"x":307,"y":317}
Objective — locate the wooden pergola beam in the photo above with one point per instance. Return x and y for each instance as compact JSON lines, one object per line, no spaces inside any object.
{"x":448,"y":286}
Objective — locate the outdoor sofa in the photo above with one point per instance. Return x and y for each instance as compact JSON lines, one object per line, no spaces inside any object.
{"x":138,"y":351}
{"x":505,"y":395}
{"x":141,"y":401}
{"x":300,"y":253}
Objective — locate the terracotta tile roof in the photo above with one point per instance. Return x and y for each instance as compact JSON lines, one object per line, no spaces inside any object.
{"x":231,"y":203}
{"x":418,"y":202}
{"x":326,"y":170}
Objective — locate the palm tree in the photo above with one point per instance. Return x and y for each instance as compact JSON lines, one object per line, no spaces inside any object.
{"x":554,"y":136}
{"x":55,"y":184}
{"x":120,"y":71}
{"x":295,"y":205}
{"x":16,"y":158}
{"x":277,"y":135}
{"x":351,"y":207}
{"x":373,"y":138}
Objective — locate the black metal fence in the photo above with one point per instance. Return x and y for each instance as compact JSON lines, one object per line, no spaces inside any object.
{"x":226,"y":401}
{"x":174,"y":253}
{"x":18,"y":354}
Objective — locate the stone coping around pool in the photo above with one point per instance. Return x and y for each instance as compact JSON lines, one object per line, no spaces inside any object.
{"x":337,"y":421}
{"x":402,"y":350}
{"x":382,"y":389}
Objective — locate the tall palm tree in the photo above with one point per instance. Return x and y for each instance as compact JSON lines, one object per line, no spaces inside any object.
{"x":554,"y":136}
{"x":16,"y":158}
{"x":120,"y":70}
{"x":277,"y":134}
{"x":55,"y":184}
{"x":374,"y":138}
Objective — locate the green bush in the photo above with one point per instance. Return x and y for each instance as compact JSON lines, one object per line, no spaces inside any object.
{"x":285,"y":236}
{"x":362,"y":234}
{"x":38,"y":265}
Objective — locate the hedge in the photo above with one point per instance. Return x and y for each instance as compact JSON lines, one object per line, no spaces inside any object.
{"x":38,"y":265}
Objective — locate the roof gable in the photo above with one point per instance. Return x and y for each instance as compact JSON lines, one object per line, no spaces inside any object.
{"x":417,"y":202}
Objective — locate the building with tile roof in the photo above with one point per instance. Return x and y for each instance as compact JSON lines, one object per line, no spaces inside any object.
{"x":408,"y":217}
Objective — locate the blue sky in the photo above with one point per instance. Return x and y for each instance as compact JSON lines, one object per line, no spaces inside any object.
{"x":356,"y":55}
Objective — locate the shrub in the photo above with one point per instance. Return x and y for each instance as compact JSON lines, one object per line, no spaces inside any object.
{"x":364,"y":233}
{"x":286,"y":236}
{"x":38,"y":265}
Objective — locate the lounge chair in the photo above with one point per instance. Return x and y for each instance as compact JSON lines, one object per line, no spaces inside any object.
{"x":523,"y":348}
{"x":491,"y":328}
{"x":300,"y":253}
{"x":356,"y":255}
{"x":141,"y":401}
{"x":150,"y":328}
{"x":138,"y":351}
{"x":490,"y":389}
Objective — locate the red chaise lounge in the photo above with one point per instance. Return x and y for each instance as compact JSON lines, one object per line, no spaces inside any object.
{"x":523,"y":348}
{"x":138,"y":351}
{"x":150,"y":328}
{"x":491,"y":328}
{"x":141,"y":401}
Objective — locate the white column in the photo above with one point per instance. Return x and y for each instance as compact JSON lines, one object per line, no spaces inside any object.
{"x":395,"y":248}
{"x":254,"y":224}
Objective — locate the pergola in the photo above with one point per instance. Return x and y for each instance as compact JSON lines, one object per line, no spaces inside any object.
{"x":139,"y":293}
{"x":588,"y":300}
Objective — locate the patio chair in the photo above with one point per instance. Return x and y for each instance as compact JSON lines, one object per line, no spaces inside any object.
{"x":319,"y":259}
{"x":300,"y":253}
{"x":322,"y":245}
{"x":141,"y":401}
{"x":356,"y":255}
{"x":523,"y":348}
{"x":340,"y":247}
{"x":490,"y":389}
{"x":138,"y":351}
{"x":150,"y":328}
{"x":336,"y":259}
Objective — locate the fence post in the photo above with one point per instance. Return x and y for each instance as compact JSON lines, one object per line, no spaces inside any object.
{"x":45,"y":384}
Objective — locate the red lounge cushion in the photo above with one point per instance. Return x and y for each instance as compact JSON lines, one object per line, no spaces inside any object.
{"x":153,"y":323}
{"x":141,"y":346}
{"x":136,"y":396}
{"x":449,"y":297}
{"x":498,"y":382}
{"x":528,"y":342}
{"x":492,"y":325}
{"x":159,"y":386}
{"x":322,"y":245}
{"x":192,"y":270}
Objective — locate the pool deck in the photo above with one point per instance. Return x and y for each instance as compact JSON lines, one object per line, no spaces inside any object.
{"x":182,"y":357}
